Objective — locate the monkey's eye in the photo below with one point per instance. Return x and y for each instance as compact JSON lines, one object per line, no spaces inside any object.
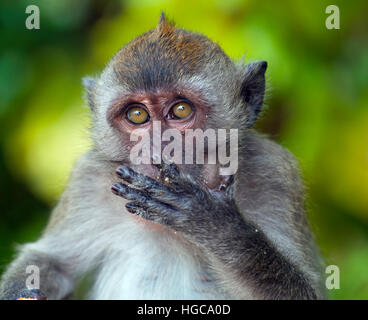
{"x":137,"y":115}
{"x":181,"y":110}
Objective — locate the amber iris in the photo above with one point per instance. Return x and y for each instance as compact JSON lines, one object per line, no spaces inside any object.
{"x":137,"y":115}
{"x":182,"y":110}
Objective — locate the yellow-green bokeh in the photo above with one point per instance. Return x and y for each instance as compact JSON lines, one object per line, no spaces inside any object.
{"x":316,"y":103}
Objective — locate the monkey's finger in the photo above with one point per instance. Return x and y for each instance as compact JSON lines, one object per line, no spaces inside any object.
{"x":140,"y":197}
{"x":157,"y":212}
{"x":129,"y":193}
{"x":141,"y":181}
{"x":135,"y":208}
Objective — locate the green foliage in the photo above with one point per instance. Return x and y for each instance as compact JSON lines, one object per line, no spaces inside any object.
{"x":316,"y":103}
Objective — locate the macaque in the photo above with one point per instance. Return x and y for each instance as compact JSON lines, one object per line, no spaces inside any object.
{"x":168,"y":230}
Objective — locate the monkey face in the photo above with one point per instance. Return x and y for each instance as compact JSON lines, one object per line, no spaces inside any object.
{"x":180,"y":81}
{"x":155,"y":113}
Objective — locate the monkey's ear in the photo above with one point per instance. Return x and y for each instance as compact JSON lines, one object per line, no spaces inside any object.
{"x":253,"y":88}
{"x":89,"y":84}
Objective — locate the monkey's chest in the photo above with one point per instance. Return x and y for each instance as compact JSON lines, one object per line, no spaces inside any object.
{"x":151,"y":270}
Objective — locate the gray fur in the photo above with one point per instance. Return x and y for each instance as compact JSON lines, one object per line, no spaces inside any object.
{"x":207,"y":248}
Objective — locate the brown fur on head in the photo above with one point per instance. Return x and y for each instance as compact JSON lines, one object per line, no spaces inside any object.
{"x":165,"y":64}
{"x":161,"y":57}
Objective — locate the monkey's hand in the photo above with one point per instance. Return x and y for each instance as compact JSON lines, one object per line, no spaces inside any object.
{"x":240,"y":251}
{"x":16,"y":291}
{"x":177,"y":202}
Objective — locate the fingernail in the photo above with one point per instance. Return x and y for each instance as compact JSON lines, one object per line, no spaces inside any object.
{"x":116,"y":188}
{"x":122,"y":171}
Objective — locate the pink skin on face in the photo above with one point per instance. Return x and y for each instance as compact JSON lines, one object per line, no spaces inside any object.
{"x":158,"y":105}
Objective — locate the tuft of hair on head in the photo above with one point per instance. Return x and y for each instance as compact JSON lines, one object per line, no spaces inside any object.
{"x":165,"y":27}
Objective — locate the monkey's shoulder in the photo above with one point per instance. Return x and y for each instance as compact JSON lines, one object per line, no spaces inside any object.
{"x":269,"y":175}
{"x":262,"y":153}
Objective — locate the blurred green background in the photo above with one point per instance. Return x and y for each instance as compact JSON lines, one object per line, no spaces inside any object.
{"x":317,"y":104}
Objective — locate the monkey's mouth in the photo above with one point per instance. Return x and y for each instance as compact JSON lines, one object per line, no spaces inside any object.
{"x":207,"y":175}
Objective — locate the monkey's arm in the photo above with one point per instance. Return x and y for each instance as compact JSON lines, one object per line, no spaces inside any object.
{"x":233,"y":244}
{"x":49,"y":262}
{"x":58,"y":254}
{"x":32,"y":267}
{"x":72,"y":244}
